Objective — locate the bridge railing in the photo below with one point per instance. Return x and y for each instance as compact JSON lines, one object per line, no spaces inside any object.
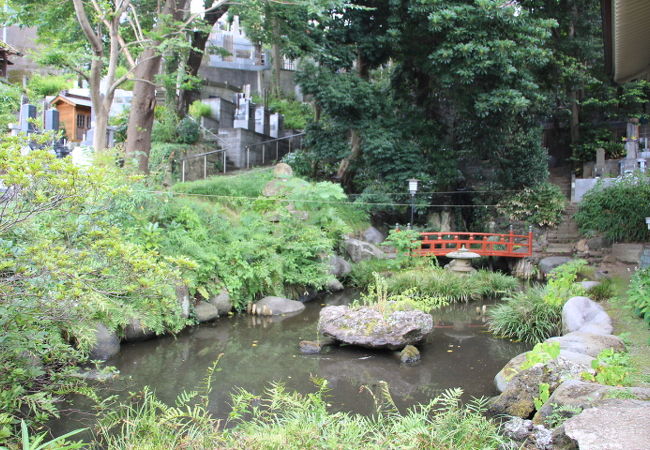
{"x":487,"y":244}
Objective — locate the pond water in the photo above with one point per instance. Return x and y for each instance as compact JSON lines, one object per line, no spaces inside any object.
{"x":260,"y":350}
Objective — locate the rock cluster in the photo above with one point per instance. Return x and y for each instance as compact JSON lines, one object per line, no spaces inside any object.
{"x":599,"y":417}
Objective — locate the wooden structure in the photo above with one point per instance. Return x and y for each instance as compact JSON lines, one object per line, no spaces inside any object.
{"x":486,"y":244}
{"x":6,"y":51}
{"x":625,"y":33}
{"x":74,"y":114}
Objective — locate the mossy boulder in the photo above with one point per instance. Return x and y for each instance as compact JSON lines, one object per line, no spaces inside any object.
{"x":370,"y":328}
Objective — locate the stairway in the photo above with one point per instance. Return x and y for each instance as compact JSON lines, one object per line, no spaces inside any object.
{"x":562,"y":239}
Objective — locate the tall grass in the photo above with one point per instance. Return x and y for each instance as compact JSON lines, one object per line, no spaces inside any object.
{"x":526,"y":316}
{"x":248,"y":184}
{"x":439,"y":282}
{"x":283,"y":419}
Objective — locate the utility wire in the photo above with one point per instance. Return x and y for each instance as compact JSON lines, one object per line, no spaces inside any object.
{"x":286,"y":200}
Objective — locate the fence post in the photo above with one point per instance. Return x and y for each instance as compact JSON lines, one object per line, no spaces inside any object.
{"x":277,"y":143}
{"x":263,"y":152}
{"x":510,"y":241}
{"x":205,"y":167}
{"x":530,"y":240}
{"x":290,"y":139}
{"x":183,"y":172}
{"x":224,"y":161}
{"x":248,"y":156}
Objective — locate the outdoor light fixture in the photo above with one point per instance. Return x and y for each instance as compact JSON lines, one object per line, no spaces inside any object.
{"x":413,"y":188}
{"x":647,"y":222}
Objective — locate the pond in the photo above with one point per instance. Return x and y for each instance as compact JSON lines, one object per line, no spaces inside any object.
{"x":260,"y":350}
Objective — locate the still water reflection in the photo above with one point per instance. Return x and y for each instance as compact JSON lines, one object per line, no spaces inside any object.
{"x":257,"y":351}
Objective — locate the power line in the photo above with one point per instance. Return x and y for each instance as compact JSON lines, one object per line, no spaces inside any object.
{"x":286,"y":200}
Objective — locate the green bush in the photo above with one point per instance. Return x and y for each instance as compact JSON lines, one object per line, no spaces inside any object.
{"x":249,"y":184}
{"x":284,"y":419}
{"x":40,"y":86}
{"x":9,"y":105}
{"x":436,"y":281}
{"x":611,"y":368}
{"x":187,"y":131}
{"x":526,"y":316}
{"x":617,"y":211}
{"x":296,"y":114}
{"x":540,"y":205}
{"x":64,"y":265}
{"x":199,"y":109}
{"x":165,"y":126}
{"x":638,"y":293}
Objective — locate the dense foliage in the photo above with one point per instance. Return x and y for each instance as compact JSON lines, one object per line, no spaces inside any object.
{"x":618,"y":210}
{"x":540,"y":205}
{"x":81,"y":246}
{"x":536,"y":313}
{"x":66,"y":264}
{"x":280,"y":418}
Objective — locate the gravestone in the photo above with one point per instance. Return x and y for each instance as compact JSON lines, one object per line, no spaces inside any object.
{"x":244,"y":115}
{"x":629,"y":164}
{"x":51,"y":122}
{"x":262,"y":122}
{"x":275,"y":125}
{"x":27,"y":113}
{"x":599,"y":169}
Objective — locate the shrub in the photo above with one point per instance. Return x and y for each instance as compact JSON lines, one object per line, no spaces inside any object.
{"x":187,"y":131}
{"x":379,"y":298}
{"x":638,"y":293}
{"x":9,"y":105}
{"x":249,"y":184}
{"x":40,"y":86}
{"x":617,"y":211}
{"x":199,"y":109}
{"x":611,"y":368}
{"x":540,"y":205}
{"x":436,"y":281}
{"x":165,"y":126}
{"x":284,"y":419}
{"x":526,"y":316}
{"x":562,"y":284}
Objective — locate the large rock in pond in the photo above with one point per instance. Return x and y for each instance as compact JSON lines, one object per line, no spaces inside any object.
{"x":279,"y":305}
{"x":583,"y":314}
{"x":517,"y":399}
{"x":360,"y":250}
{"x":334,"y":285}
{"x":551,"y":262}
{"x":513,"y":366}
{"x":339,"y":267}
{"x":205,"y":312}
{"x":370,"y":328}
{"x":616,"y":424}
{"x":573,"y":396}
{"x":222,"y":302}
{"x":588,"y":343}
{"x":373,"y":235}
{"x":134,"y":331}
{"x":106,"y":344}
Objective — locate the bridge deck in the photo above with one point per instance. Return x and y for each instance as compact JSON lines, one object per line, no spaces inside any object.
{"x":487,"y":244}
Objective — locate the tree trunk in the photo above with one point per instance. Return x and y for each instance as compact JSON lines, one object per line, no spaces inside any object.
{"x":138,"y":135}
{"x":344,"y":173}
{"x":276,"y":59}
{"x":193,"y":62}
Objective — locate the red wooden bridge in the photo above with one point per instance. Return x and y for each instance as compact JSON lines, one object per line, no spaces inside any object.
{"x":487,"y":244}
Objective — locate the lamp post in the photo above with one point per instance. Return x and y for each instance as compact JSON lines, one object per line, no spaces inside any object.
{"x":647,"y":222}
{"x":413,"y":188}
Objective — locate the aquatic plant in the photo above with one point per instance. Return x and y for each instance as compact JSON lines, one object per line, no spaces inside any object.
{"x":438,"y":282}
{"x":526,"y":316}
{"x":284,"y":419}
{"x":379,"y":298}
